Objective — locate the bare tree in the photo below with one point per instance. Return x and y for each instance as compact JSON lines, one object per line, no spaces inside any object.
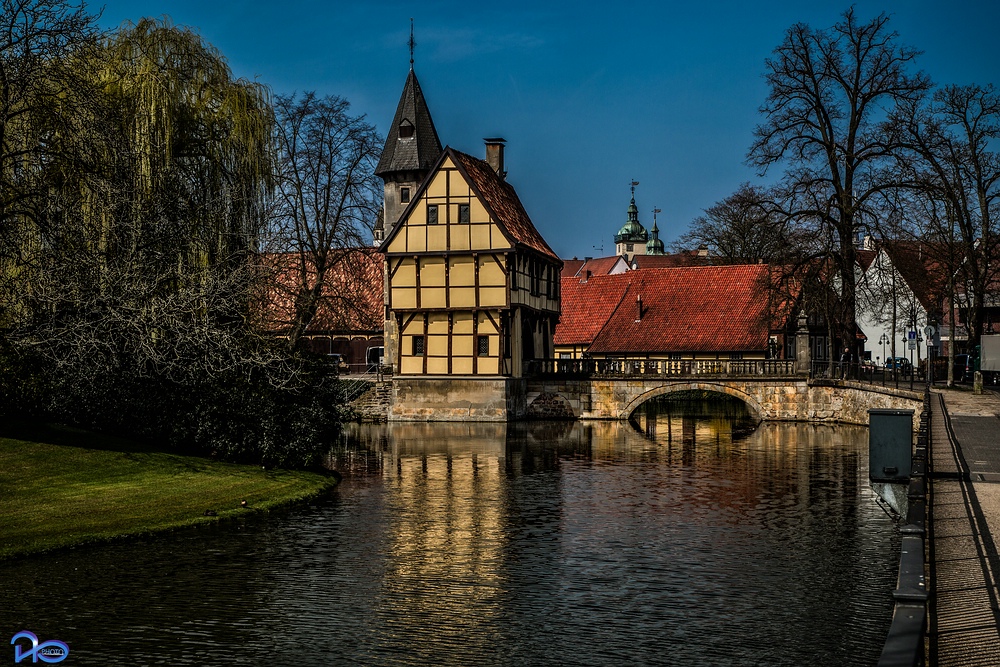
{"x":955,"y":173}
{"x":744,"y":228}
{"x":829,"y":92}
{"x":326,"y":205}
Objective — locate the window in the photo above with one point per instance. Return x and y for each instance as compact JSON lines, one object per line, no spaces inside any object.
{"x":483,"y":346}
{"x":676,"y":356}
{"x":406,"y":130}
{"x":463,"y":213}
{"x":629,"y":247}
{"x":404,"y":195}
{"x":418,"y":346}
{"x":735,"y":356}
{"x":432,"y":214}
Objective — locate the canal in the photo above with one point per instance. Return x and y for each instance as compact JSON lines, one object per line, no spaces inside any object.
{"x":695,"y":540}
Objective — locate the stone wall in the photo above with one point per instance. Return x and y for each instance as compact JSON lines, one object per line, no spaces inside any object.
{"x":768,"y":399}
{"x":503,"y":399}
{"x":456,"y":399}
{"x":374,"y":404}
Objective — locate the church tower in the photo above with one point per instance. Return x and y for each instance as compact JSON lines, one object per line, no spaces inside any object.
{"x":654,"y":246}
{"x":632,"y":237}
{"x":411,"y":149}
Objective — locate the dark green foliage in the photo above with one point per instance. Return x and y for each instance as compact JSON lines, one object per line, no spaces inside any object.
{"x":237,"y":417}
{"x":135,"y":183}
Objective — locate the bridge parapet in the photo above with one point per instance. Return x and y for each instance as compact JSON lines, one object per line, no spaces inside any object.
{"x":661,"y":368}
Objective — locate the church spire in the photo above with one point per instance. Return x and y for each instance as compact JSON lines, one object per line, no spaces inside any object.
{"x":411,"y":43}
{"x":654,"y":246}
{"x":411,"y":148}
{"x":631,"y":238}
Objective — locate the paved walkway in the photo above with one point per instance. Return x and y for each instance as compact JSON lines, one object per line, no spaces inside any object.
{"x":965,"y":505}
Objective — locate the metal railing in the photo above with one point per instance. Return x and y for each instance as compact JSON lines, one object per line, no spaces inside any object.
{"x":660,"y":368}
{"x":367,"y":372}
{"x":899,"y":378}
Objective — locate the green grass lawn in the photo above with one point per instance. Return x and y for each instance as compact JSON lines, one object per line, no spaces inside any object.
{"x":60,"y":487}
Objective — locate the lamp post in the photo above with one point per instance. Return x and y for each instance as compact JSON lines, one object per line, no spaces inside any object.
{"x":882,"y":341}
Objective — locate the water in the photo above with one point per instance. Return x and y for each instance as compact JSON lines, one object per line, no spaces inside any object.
{"x":483,"y":544}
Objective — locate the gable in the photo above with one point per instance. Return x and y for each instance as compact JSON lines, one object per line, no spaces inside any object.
{"x":446,"y":214}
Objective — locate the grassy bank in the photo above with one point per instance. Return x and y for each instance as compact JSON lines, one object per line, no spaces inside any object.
{"x":59,"y":488}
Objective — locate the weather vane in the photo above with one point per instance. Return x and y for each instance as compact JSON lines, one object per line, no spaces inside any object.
{"x":655,"y":211}
{"x":634,"y":183}
{"x":411,"y":43}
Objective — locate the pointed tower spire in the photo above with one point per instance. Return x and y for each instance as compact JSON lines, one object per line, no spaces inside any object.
{"x":411,"y":148}
{"x":654,"y":246}
{"x":411,"y":43}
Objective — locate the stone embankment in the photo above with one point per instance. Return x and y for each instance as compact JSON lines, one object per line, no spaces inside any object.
{"x":374,"y":404}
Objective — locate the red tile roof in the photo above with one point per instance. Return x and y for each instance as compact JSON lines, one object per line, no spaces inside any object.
{"x":571,"y":267}
{"x":920,"y":266}
{"x":502,"y":202}
{"x":602,"y":266}
{"x":686,"y":258}
{"x":352,"y":300}
{"x":865,"y":258}
{"x":691,"y":309}
{"x":586,"y":307}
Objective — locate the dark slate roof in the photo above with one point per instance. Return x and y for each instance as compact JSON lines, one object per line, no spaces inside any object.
{"x":420,"y":152}
{"x":502,"y":202}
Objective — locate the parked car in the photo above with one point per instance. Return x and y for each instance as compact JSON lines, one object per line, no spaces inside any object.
{"x":901,"y":364}
{"x":375,"y":358}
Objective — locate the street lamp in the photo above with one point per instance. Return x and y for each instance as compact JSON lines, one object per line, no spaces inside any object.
{"x":883,"y":340}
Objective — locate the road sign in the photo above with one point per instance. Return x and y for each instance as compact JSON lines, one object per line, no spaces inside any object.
{"x":929,"y":332}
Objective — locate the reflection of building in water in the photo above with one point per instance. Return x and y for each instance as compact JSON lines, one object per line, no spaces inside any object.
{"x":447,"y":536}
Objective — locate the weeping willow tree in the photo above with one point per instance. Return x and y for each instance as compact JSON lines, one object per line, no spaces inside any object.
{"x":134,"y":188}
{"x":200,"y":160}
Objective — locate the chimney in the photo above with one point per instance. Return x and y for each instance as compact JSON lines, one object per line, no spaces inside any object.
{"x":638,"y":305}
{"x":494,"y":155}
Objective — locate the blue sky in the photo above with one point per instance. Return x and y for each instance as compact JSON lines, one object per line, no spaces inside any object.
{"x":588,"y":95}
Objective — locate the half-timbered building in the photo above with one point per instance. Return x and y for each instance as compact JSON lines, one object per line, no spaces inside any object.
{"x":472,"y":287}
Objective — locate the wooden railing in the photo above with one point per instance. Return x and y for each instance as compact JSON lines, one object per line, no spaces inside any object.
{"x":657,"y":368}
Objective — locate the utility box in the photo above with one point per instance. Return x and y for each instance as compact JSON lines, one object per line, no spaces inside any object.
{"x":890,"y":445}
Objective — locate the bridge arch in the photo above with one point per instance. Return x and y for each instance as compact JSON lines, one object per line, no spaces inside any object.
{"x":756,"y":409}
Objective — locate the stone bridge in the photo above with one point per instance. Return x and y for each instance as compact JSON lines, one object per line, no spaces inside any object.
{"x":795,"y":398}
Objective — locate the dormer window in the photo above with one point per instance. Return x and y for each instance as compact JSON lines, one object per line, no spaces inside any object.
{"x":406,"y":130}
{"x":404,"y":195}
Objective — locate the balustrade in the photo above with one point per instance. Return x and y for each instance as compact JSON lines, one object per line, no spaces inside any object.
{"x":648,"y":368}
